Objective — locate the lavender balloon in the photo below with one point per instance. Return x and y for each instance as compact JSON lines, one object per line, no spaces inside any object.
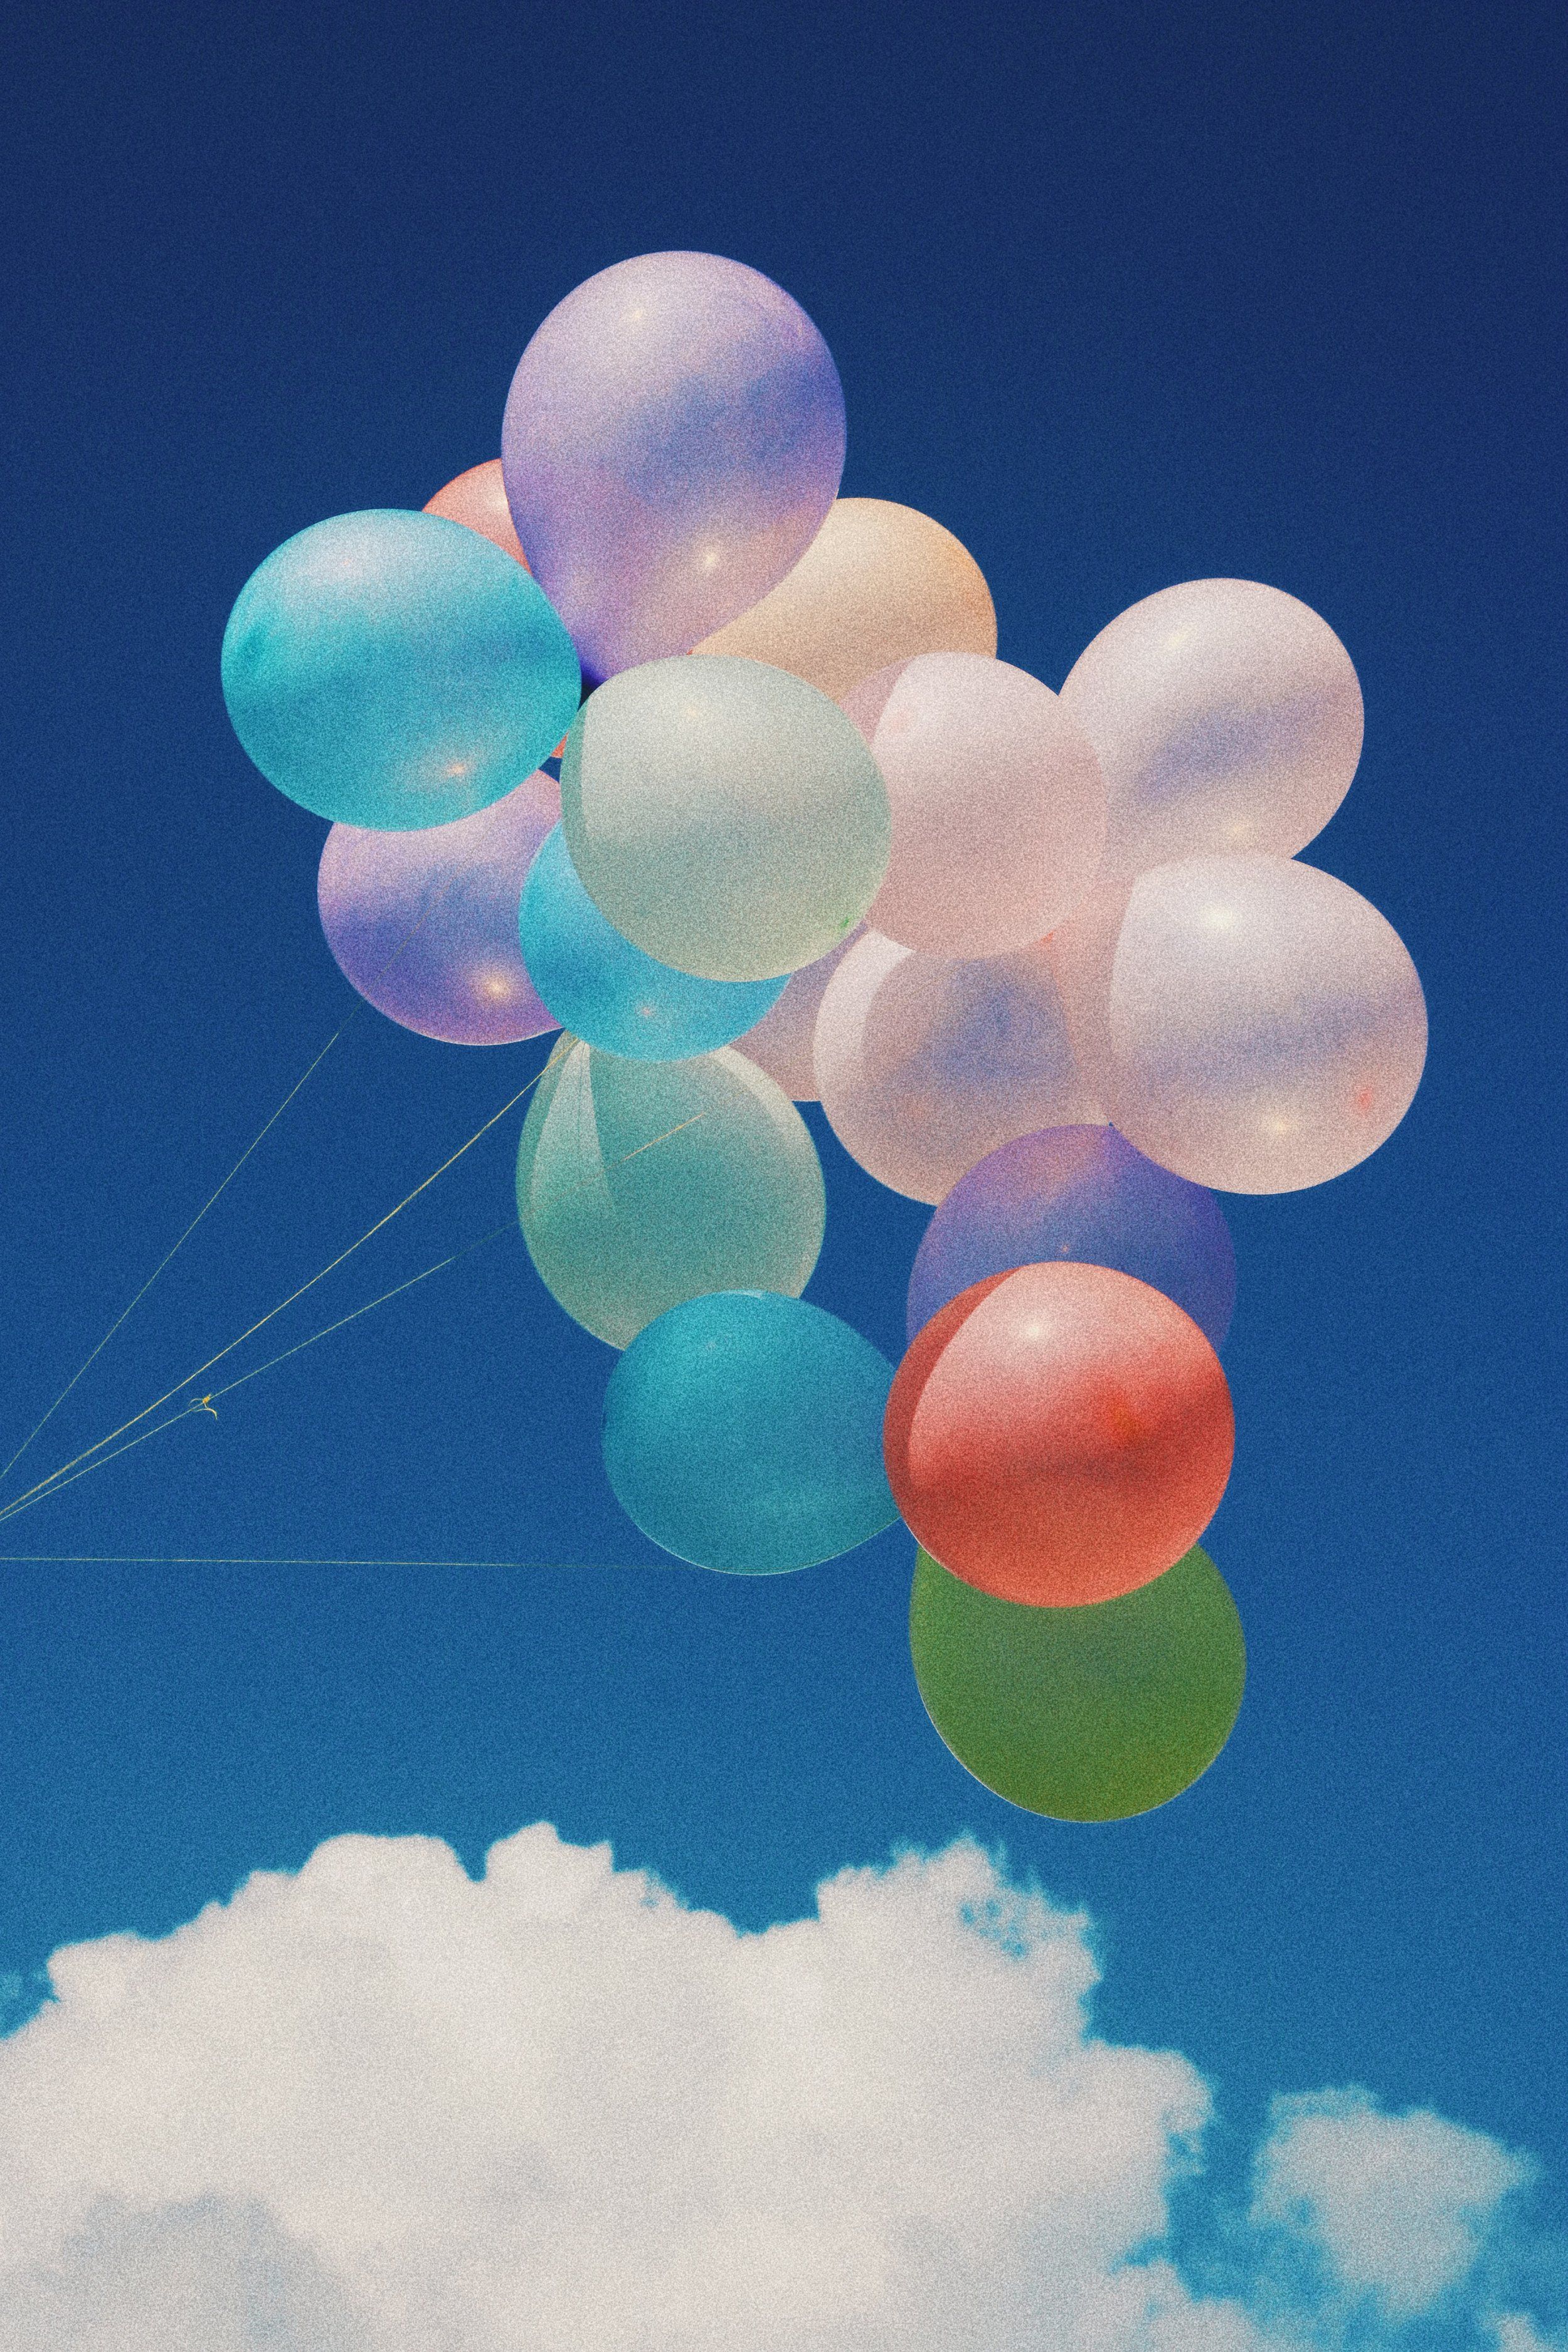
{"x":424,"y":924}
{"x":1084,"y":1194}
{"x":672,"y":443}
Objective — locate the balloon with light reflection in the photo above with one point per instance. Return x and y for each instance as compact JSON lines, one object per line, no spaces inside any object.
{"x":1059,"y":1434}
{"x":742,"y":1432}
{"x":424,"y":924}
{"x":395,"y":670}
{"x":672,"y":443}
{"x":640,"y":1184}
{"x":608,"y":991}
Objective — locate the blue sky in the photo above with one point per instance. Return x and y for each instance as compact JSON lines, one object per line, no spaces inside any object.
{"x":1121,"y":296}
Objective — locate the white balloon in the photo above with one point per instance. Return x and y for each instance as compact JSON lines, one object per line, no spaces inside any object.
{"x":926,"y":1062}
{"x":1226,"y":716}
{"x":1251,"y":1023}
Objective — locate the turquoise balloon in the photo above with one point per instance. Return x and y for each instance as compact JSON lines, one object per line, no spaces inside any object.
{"x":396,"y":670}
{"x":743,"y":1431}
{"x":641,"y":1184}
{"x":609,"y":993}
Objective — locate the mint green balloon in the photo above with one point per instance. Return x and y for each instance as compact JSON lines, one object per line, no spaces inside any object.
{"x":725,"y":815}
{"x":1091,"y":1714}
{"x":642,"y":1184}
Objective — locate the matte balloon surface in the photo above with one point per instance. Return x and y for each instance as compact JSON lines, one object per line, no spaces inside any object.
{"x":998,"y":804}
{"x":478,"y":499}
{"x":1085,"y":1715}
{"x":1251,"y":1023}
{"x":781,"y":1040}
{"x":878,"y":584}
{"x":1059,"y":1434}
{"x":926,"y":1064}
{"x":643,"y":1183}
{"x":608,"y":991}
{"x":1080,"y":1193}
{"x":743,"y":1433}
{"x":1226,"y":716}
{"x":673,"y":440}
{"x":395,"y":670}
{"x":424,"y":924}
{"x":726,"y":817}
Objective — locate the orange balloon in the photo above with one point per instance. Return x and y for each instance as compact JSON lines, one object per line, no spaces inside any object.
{"x":479,"y":500}
{"x":878,"y":584}
{"x":1059,"y":1434}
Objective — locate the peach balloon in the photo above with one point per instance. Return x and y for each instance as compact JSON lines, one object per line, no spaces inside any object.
{"x":926,"y":1062}
{"x":781,"y":1043}
{"x":1060,"y":1435}
{"x":479,"y":500}
{"x":1226,"y":716}
{"x":1251,"y":1023}
{"x":878,"y":584}
{"x":998,"y":804}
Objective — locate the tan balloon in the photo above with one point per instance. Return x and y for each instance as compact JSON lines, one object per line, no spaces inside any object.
{"x":878,"y":584}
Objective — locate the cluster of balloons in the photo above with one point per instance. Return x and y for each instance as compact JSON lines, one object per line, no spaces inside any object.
{"x":1050,"y":962}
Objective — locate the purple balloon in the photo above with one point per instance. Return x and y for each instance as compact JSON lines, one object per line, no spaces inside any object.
{"x":1084,"y":1194}
{"x":673,"y":440}
{"x":424,"y":924}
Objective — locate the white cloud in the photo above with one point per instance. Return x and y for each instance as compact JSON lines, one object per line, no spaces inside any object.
{"x":1400,"y":2205}
{"x":379,"y":2107}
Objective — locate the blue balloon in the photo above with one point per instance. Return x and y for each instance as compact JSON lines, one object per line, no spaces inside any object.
{"x":608,"y":991}
{"x":743,"y":1431}
{"x":395,"y":670}
{"x":1081,"y":1193}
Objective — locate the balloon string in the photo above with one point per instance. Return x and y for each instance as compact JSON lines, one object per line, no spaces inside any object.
{"x":211,"y":1201}
{"x":34,"y":1492}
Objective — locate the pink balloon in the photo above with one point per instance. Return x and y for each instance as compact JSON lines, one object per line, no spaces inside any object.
{"x":927,"y":1063}
{"x":998,"y":799}
{"x":781,"y":1043}
{"x":424,"y":924}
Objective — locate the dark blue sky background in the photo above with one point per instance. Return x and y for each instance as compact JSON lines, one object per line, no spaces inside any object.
{"x":1122,"y":295}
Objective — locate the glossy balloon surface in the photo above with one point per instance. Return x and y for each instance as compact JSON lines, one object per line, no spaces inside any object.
{"x":1226,"y":716}
{"x":1059,"y":1434}
{"x":1080,"y":1193}
{"x":424,"y":924}
{"x":395,"y":670}
{"x":997,"y":800}
{"x":781,"y":1042}
{"x":478,"y":499}
{"x":1251,"y":1023}
{"x":926,"y":1064}
{"x":878,"y":584}
{"x":1084,"y":1715}
{"x":640,"y":1184}
{"x":742,"y":1432}
{"x":673,"y":440}
{"x":608,"y":991}
{"x":726,"y":817}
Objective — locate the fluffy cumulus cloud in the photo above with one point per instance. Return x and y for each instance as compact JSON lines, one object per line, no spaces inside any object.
{"x":379,"y":2106}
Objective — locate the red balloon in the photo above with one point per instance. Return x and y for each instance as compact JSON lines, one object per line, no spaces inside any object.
{"x":1059,"y":1434}
{"x":479,"y":500}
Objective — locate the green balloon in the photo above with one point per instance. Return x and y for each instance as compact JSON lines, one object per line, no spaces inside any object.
{"x":1086,"y":1715}
{"x":641,"y":1184}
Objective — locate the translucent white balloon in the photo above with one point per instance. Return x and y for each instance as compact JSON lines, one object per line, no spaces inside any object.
{"x":1251,"y":1023}
{"x":878,"y":584}
{"x":927,"y":1063}
{"x":1226,"y":716}
{"x":998,"y":804}
{"x":726,"y":816}
{"x":781,"y":1043}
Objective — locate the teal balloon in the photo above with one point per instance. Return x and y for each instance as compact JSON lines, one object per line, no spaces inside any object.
{"x":642,"y":1184}
{"x":609,"y":993}
{"x":396,"y":670}
{"x":743,"y":1431}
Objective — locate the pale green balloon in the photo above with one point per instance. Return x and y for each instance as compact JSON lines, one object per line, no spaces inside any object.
{"x":725,"y":815}
{"x":641,"y":1184}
